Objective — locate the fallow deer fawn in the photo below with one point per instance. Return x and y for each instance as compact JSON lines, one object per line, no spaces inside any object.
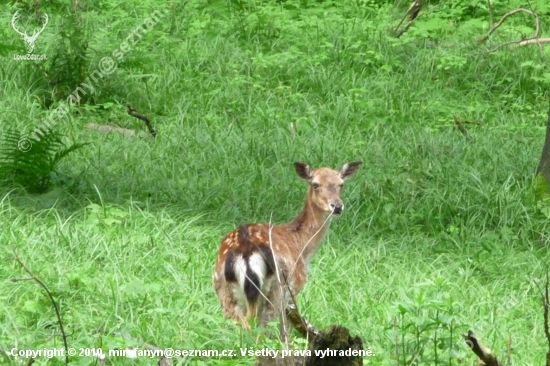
{"x":262,"y":268}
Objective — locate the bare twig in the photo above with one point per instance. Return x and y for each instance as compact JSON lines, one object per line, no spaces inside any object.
{"x":396,"y":340}
{"x":237,"y":121}
{"x":31,"y":361}
{"x":100,"y":332}
{"x":491,"y":12}
{"x":541,"y":48}
{"x":21,"y":279}
{"x":132,"y":112}
{"x":546,"y":330}
{"x":506,"y":16}
{"x":539,"y":41}
{"x":56,"y":308}
{"x":461,"y":127}
{"x":509,"y":356}
{"x":280,"y":287}
{"x":414,"y":11}
{"x":473,"y":123}
{"x":524,"y":42}
{"x":292,"y":129}
{"x":106,"y":129}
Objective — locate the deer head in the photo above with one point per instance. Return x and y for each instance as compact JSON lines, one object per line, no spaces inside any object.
{"x":326,"y":185}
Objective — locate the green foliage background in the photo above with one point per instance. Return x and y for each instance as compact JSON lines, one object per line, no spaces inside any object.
{"x":439,"y":230}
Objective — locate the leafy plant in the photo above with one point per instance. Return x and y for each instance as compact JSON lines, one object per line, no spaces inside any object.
{"x":32,"y":163}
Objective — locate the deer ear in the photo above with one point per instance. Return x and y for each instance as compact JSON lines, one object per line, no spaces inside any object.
{"x":303,"y":171}
{"x":349,"y":169}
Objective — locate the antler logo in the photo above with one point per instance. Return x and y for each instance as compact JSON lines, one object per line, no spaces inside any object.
{"x":29,"y":40}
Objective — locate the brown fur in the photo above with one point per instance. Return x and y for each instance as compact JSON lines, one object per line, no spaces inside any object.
{"x":293,"y":245}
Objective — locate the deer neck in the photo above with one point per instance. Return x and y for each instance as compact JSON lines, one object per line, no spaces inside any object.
{"x":309,"y":228}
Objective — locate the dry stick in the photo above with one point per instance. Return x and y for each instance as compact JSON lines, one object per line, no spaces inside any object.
{"x":414,"y":10}
{"x":546,"y":331}
{"x":506,"y":16}
{"x":545,"y":302}
{"x":524,"y":42}
{"x":31,"y":361}
{"x":281,"y":288}
{"x":402,"y":20}
{"x":541,"y":49}
{"x":396,"y":340}
{"x":100,"y":331}
{"x":308,"y":331}
{"x":33,"y":277}
{"x":480,"y":350}
{"x":473,"y":123}
{"x":491,"y":12}
{"x":292,"y":129}
{"x":461,"y":127}
{"x":298,"y":322}
{"x":509,"y":363}
{"x":132,"y":112}
{"x":415,"y":16}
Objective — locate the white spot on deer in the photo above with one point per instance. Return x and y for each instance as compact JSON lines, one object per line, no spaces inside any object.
{"x":257,"y":265}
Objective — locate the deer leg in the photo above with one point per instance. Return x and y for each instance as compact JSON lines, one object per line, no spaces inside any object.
{"x":231,"y":309}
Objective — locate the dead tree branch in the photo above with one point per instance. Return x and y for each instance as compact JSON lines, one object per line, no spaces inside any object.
{"x":307,"y":330}
{"x":132,"y":112}
{"x":491,"y":12}
{"x":480,"y":350}
{"x":107,"y":129}
{"x":544,"y":162}
{"x":461,"y":127}
{"x":414,"y":11}
{"x":546,"y":303}
{"x":524,"y":42}
{"x":56,"y":308}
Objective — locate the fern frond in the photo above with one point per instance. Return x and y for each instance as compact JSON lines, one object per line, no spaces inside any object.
{"x":32,"y":168}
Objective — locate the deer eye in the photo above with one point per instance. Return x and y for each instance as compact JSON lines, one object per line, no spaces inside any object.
{"x":315,"y":185}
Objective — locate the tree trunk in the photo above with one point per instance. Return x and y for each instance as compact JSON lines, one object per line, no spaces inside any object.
{"x":544,"y":163}
{"x":335,"y":343}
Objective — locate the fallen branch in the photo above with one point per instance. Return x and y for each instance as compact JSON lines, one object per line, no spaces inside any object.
{"x":480,"y":350}
{"x":524,"y":42}
{"x":546,"y":304}
{"x":529,"y":41}
{"x":473,"y":123}
{"x":307,"y":330}
{"x":105,"y":129}
{"x":461,"y":127}
{"x":546,"y":331}
{"x":544,"y":161}
{"x":56,"y":308}
{"x":132,"y":112}
{"x":414,"y":11}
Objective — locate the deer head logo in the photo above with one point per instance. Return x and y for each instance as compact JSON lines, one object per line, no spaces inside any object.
{"x":29,"y":40}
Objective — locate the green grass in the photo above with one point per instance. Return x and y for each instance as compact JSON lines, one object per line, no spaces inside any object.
{"x":439,"y":230}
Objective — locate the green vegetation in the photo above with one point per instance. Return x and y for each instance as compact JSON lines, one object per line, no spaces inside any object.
{"x":441,"y":233}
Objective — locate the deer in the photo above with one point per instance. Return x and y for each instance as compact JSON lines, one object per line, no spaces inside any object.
{"x":261,"y":268}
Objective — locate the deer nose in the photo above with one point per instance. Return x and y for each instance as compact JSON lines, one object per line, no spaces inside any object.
{"x":336,"y":209}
